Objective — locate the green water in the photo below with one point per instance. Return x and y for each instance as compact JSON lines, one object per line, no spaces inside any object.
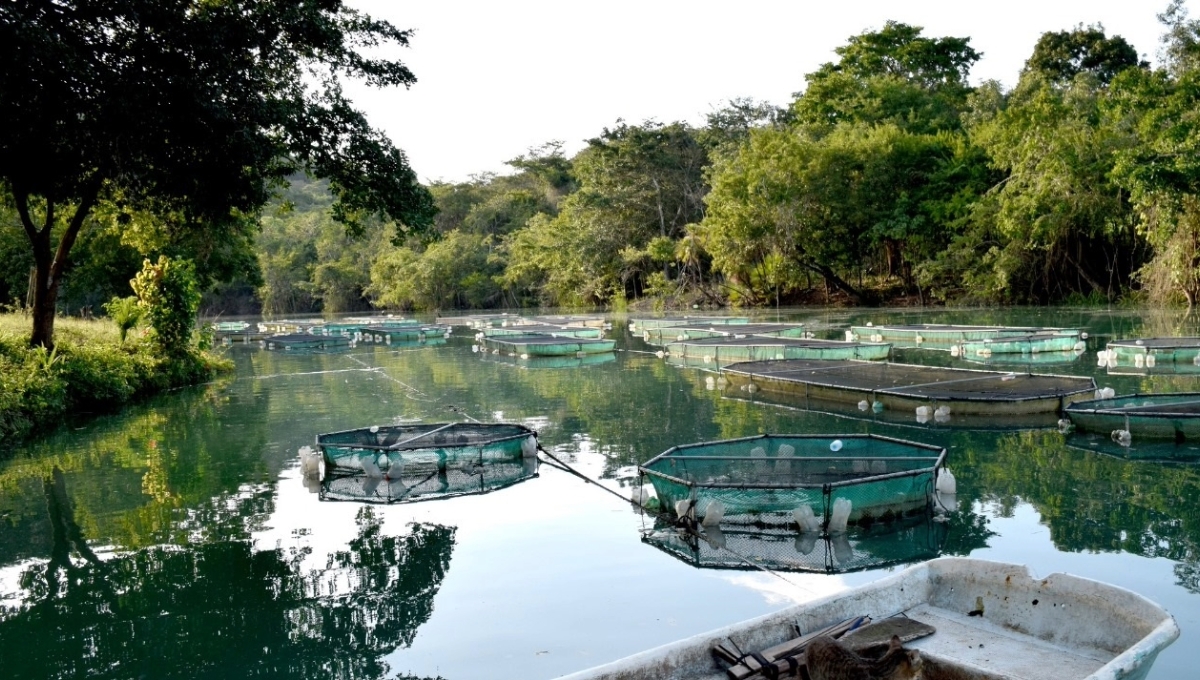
{"x":177,"y":539}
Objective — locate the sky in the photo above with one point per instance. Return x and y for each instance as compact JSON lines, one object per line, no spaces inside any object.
{"x":496,"y":78}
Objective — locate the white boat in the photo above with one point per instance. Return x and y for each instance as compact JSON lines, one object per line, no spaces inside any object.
{"x":992,"y":620}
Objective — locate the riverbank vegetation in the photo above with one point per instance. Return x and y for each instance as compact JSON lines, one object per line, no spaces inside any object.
{"x":90,"y":370}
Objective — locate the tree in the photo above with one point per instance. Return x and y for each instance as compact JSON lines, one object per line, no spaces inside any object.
{"x":193,"y":110}
{"x":893,"y":75}
{"x":1062,"y":55}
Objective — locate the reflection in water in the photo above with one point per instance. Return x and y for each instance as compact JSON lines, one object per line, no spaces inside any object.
{"x":220,"y":608}
{"x":428,"y":482}
{"x":784,"y":549}
{"x":1097,"y":503}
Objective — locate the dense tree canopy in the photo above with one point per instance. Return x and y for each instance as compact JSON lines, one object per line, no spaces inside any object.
{"x":190,"y":112}
{"x":889,"y":178}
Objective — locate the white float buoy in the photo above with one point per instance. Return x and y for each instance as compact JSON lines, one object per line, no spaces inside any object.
{"x":371,"y":466}
{"x":710,"y":383}
{"x":839,"y":519}
{"x":714,"y":510}
{"x":863,"y":405}
{"x":1083,"y":335}
{"x":374,"y":429}
{"x":310,"y":461}
{"x":1064,"y":425}
{"x":1122,"y":437}
{"x":849,"y":336}
{"x":806,"y":520}
{"x":946,"y":483}
{"x":1150,"y":361}
{"x":877,"y":406}
{"x":783,"y":459}
{"x":1138,"y":360}
{"x":922,"y":411}
{"x":685,"y":509}
{"x":835,"y":445}
{"x":660,"y":354}
{"x":955,"y":350}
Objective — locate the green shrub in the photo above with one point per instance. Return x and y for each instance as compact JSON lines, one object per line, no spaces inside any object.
{"x":169,"y":296}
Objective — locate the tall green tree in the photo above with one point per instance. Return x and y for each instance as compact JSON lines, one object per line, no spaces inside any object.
{"x":1060,"y":56}
{"x":197,"y":110}
{"x":1161,"y":170}
{"x":892,"y":75}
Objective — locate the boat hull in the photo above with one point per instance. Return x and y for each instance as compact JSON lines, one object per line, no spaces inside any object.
{"x":1062,"y":627}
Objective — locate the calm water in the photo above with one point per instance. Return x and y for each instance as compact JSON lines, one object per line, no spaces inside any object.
{"x":177,"y":539}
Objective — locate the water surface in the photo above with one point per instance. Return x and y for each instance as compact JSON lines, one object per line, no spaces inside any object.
{"x":177,"y":539}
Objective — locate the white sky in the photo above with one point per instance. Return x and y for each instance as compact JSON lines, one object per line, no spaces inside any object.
{"x":496,"y":77}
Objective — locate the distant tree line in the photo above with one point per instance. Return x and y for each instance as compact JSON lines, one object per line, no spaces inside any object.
{"x":889,"y":179}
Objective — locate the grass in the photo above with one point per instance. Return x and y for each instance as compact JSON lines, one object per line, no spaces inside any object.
{"x":89,"y":371}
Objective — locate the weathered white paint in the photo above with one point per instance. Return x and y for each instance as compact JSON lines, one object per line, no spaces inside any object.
{"x":1078,"y":628}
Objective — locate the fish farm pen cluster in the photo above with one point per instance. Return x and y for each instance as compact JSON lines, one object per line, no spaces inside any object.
{"x":831,"y":502}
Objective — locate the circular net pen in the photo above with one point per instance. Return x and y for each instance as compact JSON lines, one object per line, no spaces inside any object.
{"x":882,"y":544}
{"x":400,"y":451}
{"x":820,"y":482}
{"x":422,"y":482}
{"x":885,"y":385}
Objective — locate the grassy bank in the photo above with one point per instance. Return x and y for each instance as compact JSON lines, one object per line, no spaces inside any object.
{"x":90,"y":371}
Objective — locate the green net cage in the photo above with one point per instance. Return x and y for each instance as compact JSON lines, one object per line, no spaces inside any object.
{"x":421,"y":481}
{"x":881,"y":544}
{"x":770,"y":479}
{"x":392,"y":451}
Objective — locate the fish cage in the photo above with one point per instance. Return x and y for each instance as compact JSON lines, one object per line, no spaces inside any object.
{"x":305,"y":341}
{"x":547,"y":346}
{"x":723,"y":351}
{"x":1157,"y":416}
{"x":784,"y":479}
{"x":396,"y":451}
{"x":1151,"y":352}
{"x":907,"y":387}
{"x":881,"y":544}
{"x":1033,"y":343}
{"x":418,"y":481}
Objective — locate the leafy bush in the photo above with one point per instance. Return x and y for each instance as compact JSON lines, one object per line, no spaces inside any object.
{"x":88,"y":371}
{"x":169,"y":296}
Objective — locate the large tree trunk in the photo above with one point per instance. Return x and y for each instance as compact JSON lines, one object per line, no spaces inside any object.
{"x":48,"y":267}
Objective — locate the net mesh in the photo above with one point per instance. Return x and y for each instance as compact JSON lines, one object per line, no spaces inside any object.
{"x":916,"y":381}
{"x":763,"y":480}
{"x":382,"y":449}
{"x":420,"y":481}
{"x":880,"y":545}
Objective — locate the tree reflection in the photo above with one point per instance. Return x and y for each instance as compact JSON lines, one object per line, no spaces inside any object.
{"x":1093,"y":502}
{"x":220,"y":608}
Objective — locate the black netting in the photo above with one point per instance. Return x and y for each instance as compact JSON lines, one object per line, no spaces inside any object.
{"x":427,"y":482}
{"x":915,"y":381}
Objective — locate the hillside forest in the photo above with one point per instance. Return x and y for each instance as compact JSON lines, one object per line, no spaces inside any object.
{"x":889,"y":179}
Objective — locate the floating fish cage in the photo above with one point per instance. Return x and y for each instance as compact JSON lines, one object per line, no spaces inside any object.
{"x":782,"y":479}
{"x":905,"y":387}
{"x":390,"y":334}
{"x":1025,"y":361}
{"x":722,"y":351}
{"x":547,"y":346}
{"x":1033,"y":343}
{"x":1157,"y":416}
{"x":428,"y":482}
{"x":881,"y":544}
{"x":1148,"y":353}
{"x":640,"y":325}
{"x":550,"y":362}
{"x":660,"y":336}
{"x":544,"y":329}
{"x":306,"y":341}
{"x":946,"y":336}
{"x":389,"y":450}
